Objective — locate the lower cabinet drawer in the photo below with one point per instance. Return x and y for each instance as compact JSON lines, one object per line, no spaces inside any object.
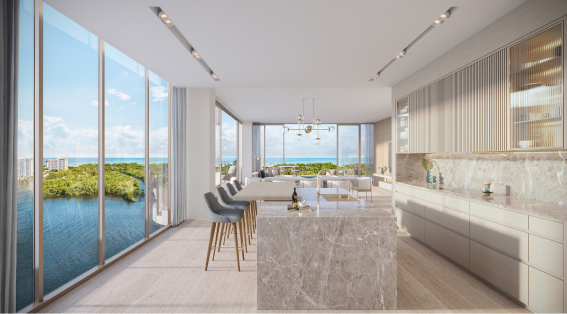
{"x":401,"y":200}
{"x":500,"y":270}
{"x":508,"y":240}
{"x":546,"y":255}
{"x":415,"y":206}
{"x":410,"y":223}
{"x":546,"y":292}
{"x":449,"y":218}
{"x":450,"y":244}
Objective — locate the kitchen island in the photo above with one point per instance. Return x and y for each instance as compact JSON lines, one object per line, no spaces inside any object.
{"x":340,"y":256}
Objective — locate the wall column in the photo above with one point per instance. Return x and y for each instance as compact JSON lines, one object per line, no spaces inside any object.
{"x":200,"y":149}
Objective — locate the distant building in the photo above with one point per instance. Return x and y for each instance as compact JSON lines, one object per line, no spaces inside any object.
{"x":59,"y":164}
{"x":25,"y":167}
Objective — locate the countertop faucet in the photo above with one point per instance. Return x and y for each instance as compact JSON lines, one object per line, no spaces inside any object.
{"x":319,"y":181}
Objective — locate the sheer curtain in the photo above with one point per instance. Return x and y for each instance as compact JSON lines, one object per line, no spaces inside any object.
{"x":368,"y":149}
{"x":178,"y":155}
{"x":257,"y":146}
{"x":9,"y":19}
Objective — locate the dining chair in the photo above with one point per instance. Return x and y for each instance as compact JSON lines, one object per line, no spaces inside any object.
{"x":363,"y":184}
{"x":221,"y":216}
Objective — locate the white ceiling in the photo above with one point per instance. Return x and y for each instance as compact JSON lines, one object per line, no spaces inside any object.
{"x":271,"y":54}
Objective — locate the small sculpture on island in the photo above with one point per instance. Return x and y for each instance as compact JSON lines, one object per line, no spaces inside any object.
{"x":383,"y":169}
{"x":427,"y":165}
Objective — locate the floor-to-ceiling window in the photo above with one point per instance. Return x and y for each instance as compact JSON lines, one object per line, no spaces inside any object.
{"x":70,"y":139}
{"x":349,"y":152}
{"x":24,"y":269}
{"x":70,"y":212}
{"x":159,"y":146}
{"x":124,"y":151}
{"x":310,"y":154}
{"x":274,"y":147}
{"x":229,"y":134}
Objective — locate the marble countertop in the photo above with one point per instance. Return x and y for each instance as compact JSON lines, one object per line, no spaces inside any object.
{"x":524,"y":206}
{"x":300,"y":178}
{"x":323,"y":208}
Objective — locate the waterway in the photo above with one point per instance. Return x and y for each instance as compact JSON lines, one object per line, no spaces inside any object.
{"x":70,"y":233}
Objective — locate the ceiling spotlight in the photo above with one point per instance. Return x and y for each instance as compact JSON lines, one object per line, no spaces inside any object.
{"x":162,"y":15}
{"x":196,"y":54}
{"x":168,"y":22}
{"x":215,"y":77}
{"x":445,"y":15}
{"x":401,"y":54}
{"x":375,"y":77}
{"x":438,"y":22}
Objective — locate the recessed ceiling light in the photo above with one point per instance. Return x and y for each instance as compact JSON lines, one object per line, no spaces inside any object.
{"x":215,"y":77}
{"x":438,"y":22}
{"x":168,"y":22}
{"x":196,"y":54}
{"x":375,"y":76}
{"x":445,"y":15}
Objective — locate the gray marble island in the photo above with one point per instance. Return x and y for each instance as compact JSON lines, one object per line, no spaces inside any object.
{"x":340,"y":256}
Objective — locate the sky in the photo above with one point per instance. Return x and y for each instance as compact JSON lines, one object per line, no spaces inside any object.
{"x":71,"y":100}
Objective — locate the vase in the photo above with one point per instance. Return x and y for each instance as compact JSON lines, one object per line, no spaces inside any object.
{"x":428,"y":176}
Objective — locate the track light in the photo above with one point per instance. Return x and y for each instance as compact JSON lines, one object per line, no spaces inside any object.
{"x":442,"y":18}
{"x":168,"y":22}
{"x":162,"y":15}
{"x":215,"y":77}
{"x":196,"y":54}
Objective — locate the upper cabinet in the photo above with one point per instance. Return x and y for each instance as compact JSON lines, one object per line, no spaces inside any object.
{"x":536,"y":98}
{"x":509,"y":100}
{"x":402,"y":123}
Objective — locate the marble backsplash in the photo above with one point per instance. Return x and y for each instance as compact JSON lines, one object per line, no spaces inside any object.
{"x":538,"y":175}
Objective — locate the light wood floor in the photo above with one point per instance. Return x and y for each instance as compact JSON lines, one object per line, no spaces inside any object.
{"x":167,"y":275}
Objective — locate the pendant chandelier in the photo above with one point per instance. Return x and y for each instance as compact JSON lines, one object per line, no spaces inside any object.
{"x":315,"y":126}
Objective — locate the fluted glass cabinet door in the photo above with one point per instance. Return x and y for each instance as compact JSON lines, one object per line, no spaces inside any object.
{"x":402,"y":127}
{"x":536,"y":98}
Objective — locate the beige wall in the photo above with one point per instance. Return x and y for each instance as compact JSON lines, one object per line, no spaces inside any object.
{"x":382,"y":137}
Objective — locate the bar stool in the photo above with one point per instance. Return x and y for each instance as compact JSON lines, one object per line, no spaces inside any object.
{"x":239,"y":188}
{"x":237,"y":185}
{"x":226,"y":201}
{"x":251,"y":215}
{"x":219,"y":215}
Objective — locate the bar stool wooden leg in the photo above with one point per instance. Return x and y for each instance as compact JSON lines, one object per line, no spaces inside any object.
{"x":227,"y":231}
{"x":242,"y":226}
{"x":249,"y":224}
{"x":213,"y":227}
{"x":242,"y":238}
{"x":224,"y":238}
{"x":217,"y":228}
{"x":222,"y":229}
{"x":236,"y":245}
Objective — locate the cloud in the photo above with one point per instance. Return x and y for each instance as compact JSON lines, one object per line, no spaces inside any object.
{"x":159,"y":93}
{"x":25,"y":128}
{"x":51,"y":120}
{"x":133,"y":103}
{"x":124,"y":73}
{"x":95,"y":103}
{"x":59,"y":140}
{"x":120,"y":95}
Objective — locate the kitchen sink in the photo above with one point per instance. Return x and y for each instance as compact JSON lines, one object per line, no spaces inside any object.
{"x":340,"y":198}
